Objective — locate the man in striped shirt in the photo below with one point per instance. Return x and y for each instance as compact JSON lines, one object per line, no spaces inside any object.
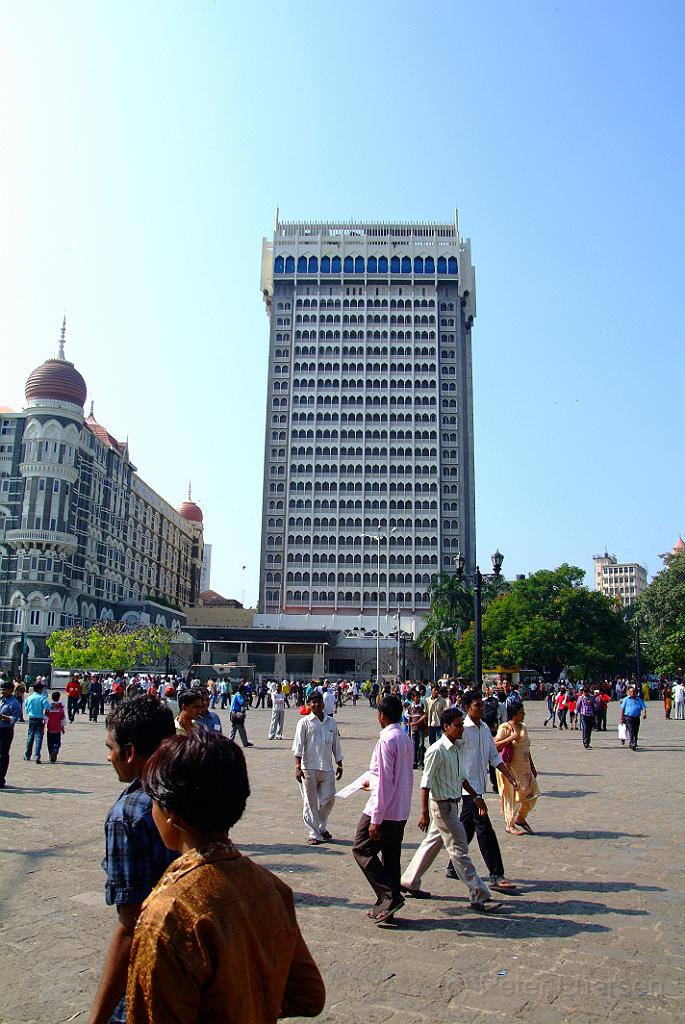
{"x":441,"y":788}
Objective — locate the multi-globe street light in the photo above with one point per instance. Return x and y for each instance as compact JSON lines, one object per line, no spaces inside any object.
{"x":477,"y":579}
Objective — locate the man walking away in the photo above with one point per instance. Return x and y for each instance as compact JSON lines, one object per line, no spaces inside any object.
{"x":381,"y":826}
{"x":37,"y":705}
{"x":316,"y":746}
{"x":237,"y":715}
{"x":632,"y":707}
{"x":679,"y":700}
{"x":73,"y":692}
{"x":441,"y":784}
{"x":434,"y":706}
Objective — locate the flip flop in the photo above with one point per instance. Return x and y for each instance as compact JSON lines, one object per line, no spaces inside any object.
{"x":386,"y":916}
{"x":503,"y":885}
{"x":487,"y":907}
{"x":526,"y":827}
{"x":416,"y":894}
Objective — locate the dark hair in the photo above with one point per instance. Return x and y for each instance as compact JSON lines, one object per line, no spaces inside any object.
{"x":391,"y":707}
{"x":201,"y":777}
{"x":450,"y":715}
{"x":470,"y":696}
{"x":55,"y":695}
{"x":189,"y":697}
{"x":141,"y":723}
{"x":513,"y":709}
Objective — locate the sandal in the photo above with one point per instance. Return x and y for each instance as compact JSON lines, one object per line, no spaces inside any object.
{"x":386,"y":916}
{"x":526,"y":827}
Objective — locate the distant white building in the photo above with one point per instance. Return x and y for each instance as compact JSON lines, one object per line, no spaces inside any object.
{"x":625,"y":580}
{"x":206,"y":570}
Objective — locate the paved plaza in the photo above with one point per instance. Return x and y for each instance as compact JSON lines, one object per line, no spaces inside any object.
{"x":597,"y":931}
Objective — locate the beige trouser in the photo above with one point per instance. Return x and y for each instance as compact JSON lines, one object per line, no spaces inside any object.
{"x":446,"y":830}
{"x":318,"y":797}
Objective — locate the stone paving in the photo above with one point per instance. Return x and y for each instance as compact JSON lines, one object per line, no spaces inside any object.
{"x":596,"y":932}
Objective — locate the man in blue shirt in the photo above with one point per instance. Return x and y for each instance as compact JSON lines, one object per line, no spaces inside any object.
{"x":36,"y":706}
{"x":238,"y":712}
{"x":631,"y":708}
{"x":135,"y":856}
{"x":10,"y":714}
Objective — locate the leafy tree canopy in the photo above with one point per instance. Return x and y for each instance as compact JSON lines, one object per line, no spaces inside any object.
{"x":661,"y":614}
{"x":108,"y":646}
{"x":548,"y":621}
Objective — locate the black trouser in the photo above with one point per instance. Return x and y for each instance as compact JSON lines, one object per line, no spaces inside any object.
{"x":54,"y":743}
{"x":94,"y":707}
{"x":383,"y":877}
{"x":562,"y":718}
{"x":485,"y":833}
{"x":261,"y":701}
{"x":83,"y":701}
{"x":6,"y":737}
{"x":238,"y":726}
{"x":72,"y":707}
{"x":632,"y":724}
{"x":586,"y":724}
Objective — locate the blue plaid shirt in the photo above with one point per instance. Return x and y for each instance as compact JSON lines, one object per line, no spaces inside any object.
{"x":135,"y":856}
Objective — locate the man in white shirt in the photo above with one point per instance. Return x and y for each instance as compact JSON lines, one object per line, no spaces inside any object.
{"x":328,"y":700}
{"x":679,"y":700}
{"x":316,"y":746}
{"x":478,"y":753}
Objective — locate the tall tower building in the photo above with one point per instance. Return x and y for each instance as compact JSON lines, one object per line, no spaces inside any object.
{"x":368,"y":468}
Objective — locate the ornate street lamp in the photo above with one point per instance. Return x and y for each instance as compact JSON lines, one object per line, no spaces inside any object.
{"x":477,"y":579}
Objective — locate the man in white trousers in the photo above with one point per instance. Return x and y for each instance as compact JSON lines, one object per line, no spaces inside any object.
{"x":277,"y":713}
{"x":316,"y":747}
{"x":441,"y":788}
{"x":679,"y":700}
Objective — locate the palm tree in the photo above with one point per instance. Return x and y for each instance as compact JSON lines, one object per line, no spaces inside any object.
{"x":450,"y":613}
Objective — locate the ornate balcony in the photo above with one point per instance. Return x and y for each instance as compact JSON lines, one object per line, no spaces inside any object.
{"x":64,"y":543}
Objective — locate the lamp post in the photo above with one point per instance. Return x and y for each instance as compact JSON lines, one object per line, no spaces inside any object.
{"x":399,"y":633}
{"x":478,"y":578}
{"x":377,"y":537}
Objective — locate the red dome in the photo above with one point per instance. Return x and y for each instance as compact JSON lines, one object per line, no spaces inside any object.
{"x":679,"y":546}
{"x":57,"y":380}
{"x":190,"y":511}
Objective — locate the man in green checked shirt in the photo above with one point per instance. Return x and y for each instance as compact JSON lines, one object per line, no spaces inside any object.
{"x":441,"y":787}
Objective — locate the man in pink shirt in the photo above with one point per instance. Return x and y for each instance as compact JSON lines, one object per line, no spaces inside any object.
{"x":381,"y":826}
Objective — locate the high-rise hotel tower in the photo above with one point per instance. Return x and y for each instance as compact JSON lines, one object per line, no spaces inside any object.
{"x":368,"y":468}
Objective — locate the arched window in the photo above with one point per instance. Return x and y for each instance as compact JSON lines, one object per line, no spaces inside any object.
{"x":290,"y":264}
{"x":406,"y":265}
{"x":359,"y":265}
{"x":395,"y":265}
{"x":325,"y":264}
{"x":349,"y":265}
{"x":383,"y":265}
{"x":418,"y":265}
{"x":302,"y":265}
{"x":335,"y":265}
{"x":429,"y":265}
{"x":372,"y":265}
{"x":279,"y":265}
{"x":313,"y":265}
{"x":442,"y":265}
{"x":452,"y":265}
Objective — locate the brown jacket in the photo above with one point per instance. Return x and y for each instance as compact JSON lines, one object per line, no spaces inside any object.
{"x":218,"y":942}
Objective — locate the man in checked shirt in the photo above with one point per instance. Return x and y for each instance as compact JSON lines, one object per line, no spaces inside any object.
{"x":441,"y":788}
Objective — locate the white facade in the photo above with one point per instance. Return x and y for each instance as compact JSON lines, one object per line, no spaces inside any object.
{"x":625,"y":580}
{"x":369,"y":429}
{"x":206,"y":570}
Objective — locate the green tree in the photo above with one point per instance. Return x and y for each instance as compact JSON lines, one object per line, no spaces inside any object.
{"x":109,"y":646}
{"x":661,"y":614}
{"x":549,"y":621}
{"x":450,"y":612}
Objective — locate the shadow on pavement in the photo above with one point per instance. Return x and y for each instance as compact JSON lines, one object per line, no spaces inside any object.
{"x":560,"y":794}
{"x":499,"y":924}
{"x":588,"y":834}
{"x":585,"y":886}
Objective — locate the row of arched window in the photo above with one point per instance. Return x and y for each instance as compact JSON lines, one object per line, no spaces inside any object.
{"x":406,"y":579}
{"x":373,"y":265}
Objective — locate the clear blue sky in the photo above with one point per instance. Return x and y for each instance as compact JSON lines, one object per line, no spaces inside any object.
{"x":145,"y":148}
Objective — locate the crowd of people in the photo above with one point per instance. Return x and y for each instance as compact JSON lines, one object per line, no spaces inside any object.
{"x":170,"y":864}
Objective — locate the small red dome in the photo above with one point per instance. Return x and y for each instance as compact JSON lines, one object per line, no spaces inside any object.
{"x":679,"y":546}
{"x":190,"y":511}
{"x":57,"y":380}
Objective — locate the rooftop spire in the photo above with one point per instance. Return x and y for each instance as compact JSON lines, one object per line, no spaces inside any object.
{"x":190,"y":496}
{"x":92,"y":408}
{"x":60,"y":354}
